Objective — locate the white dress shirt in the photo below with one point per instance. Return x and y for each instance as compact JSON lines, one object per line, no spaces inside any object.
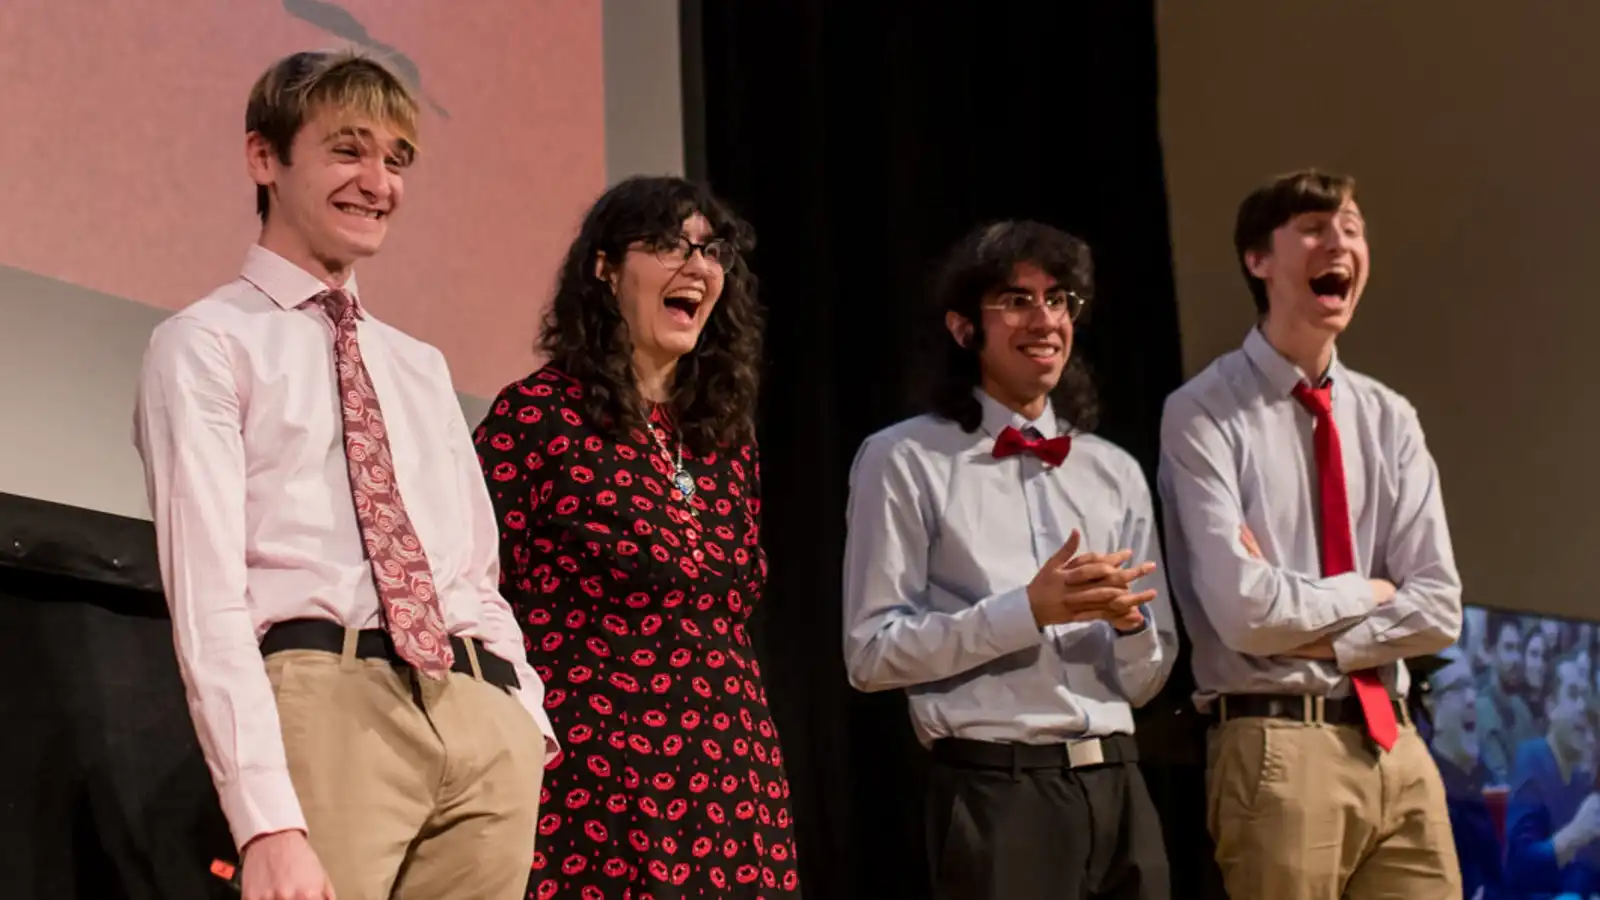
{"x":1236,"y":449}
{"x":943,"y":540}
{"x":239,"y":426}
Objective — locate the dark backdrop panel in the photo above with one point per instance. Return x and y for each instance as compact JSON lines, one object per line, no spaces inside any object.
{"x":105,"y":794}
{"x":862,"y":139}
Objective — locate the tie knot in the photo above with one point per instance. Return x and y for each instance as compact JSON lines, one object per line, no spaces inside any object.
{"x":1318,"y":400}
{"x":337,"y":305}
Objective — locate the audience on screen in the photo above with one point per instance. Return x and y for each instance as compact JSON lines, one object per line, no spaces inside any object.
{"x":1513,"y":728}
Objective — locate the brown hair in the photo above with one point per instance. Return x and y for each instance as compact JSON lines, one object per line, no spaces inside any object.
{"x":294,"y":89}
{"x":1272,"y":205}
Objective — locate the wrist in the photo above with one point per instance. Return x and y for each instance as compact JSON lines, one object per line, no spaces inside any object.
{"x":1032,"y":595}
{"x":287,"y":835}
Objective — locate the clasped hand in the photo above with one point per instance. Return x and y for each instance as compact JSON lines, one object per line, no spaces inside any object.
{"x":1074,"y":587}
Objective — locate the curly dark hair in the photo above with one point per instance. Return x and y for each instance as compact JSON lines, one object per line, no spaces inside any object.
{"x":980,"y":262}
{"x":714,"y":387}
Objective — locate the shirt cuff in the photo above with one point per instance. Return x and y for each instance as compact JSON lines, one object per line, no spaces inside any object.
{"x":1353,"y":650}
{"x":1353,"y":599}
{"x":1140,"y":646}
{"x":1011,"y":623}
{"x":533,"y":702}
{"x":258,"y":803}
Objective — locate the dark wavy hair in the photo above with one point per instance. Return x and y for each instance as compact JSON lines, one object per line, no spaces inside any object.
{"x":714,"y":387}
{"x":979,"y":263}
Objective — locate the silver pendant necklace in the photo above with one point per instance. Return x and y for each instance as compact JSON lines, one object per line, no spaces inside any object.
{"x":681,"y":479}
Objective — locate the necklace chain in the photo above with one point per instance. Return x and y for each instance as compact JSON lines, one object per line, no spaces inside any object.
{"x":680,"y":476}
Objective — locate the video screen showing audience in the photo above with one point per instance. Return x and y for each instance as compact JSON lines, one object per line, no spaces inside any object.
{"x":1511,"y":719}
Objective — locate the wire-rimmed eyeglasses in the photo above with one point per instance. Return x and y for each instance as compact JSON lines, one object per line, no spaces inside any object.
{"x":1016,"y":307}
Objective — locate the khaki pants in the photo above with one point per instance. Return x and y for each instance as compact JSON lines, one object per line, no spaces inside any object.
{"x":1315,"y":812}
{"x":412,"y":788}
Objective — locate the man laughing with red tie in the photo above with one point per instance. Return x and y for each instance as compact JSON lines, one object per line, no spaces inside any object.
{"x":1021,"y":688}
{"x":1310,"y":556}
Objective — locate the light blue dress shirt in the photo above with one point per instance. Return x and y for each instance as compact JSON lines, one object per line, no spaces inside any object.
{"x":1236,"y":448}
{"x":943,"y":540}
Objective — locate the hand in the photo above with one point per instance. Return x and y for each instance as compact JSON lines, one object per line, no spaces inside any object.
{"x":1130,"y":622}
{"x":1382,"y":590}
{"x":1248,"y":538}
{"x":1072,"y":588}
{"x":282,"y":866}
{"x":1582,"y":831}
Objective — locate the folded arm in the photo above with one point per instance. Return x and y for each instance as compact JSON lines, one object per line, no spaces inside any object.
{"x":891,"y":638}
{"x":1424,"y":616}
{"x":1256,"y":608}
{"x":189,"y":431}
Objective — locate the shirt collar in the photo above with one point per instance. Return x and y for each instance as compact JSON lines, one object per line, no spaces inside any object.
{"x":286,"y":283}
{"x":1279,"y":374}
{"x":996,"y":417}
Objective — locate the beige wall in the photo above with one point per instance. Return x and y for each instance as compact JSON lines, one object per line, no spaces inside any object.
{"x":1473,"y":129}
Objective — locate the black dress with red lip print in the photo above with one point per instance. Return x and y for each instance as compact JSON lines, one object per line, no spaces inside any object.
{"x":634,"y":600}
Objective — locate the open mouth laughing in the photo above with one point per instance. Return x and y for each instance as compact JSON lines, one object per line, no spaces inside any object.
{"x":683,"y":305}
{"x":1333,"y":286}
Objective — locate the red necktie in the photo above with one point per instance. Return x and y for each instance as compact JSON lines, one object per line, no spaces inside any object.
{"x":1052,"y":450}
{"x":399,"y":566}
{"x":1339,"y":552}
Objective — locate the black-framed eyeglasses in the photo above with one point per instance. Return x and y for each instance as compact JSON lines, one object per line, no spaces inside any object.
{"x":1016,"y":307}
{"x":675,"y":254}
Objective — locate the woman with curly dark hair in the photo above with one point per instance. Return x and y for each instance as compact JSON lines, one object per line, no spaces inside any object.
{"x":627,"y":485}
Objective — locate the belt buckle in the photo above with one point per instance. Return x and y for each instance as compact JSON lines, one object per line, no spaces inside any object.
{"x":1087,"y":752}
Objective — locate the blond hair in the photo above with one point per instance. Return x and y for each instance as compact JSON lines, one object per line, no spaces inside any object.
{"x":294,"y":89}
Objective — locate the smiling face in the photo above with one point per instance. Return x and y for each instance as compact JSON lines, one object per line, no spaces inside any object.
{"x":666,"y":289}
{"x":1027,"y":337}
{"x":332,"y":200}
{"x":1314,"y":268}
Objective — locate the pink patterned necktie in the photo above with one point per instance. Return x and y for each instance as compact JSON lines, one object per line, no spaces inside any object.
{"x":399,"y":565}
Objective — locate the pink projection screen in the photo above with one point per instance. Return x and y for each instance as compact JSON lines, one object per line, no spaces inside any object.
{"x":122,"y":166}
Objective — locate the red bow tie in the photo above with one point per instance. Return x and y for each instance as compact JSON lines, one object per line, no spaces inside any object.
{"x":1051,"y":450}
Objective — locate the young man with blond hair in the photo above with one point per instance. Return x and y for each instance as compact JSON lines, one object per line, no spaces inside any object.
{"x":328,"y":548}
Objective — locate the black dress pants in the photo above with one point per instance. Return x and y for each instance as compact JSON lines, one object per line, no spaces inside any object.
{"x":1019,"y":822}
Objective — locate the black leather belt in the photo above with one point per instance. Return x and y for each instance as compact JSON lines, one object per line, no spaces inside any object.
{"x":373,"y":643}
{"x":1101,"y":751}
{"x":1298,"y":707}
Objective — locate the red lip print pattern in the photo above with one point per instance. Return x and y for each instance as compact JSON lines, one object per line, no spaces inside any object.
{"x":399,"y":566}
{"x":672,"y":786}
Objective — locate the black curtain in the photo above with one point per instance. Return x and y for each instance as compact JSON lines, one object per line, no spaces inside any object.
{"x":862,"y":139}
